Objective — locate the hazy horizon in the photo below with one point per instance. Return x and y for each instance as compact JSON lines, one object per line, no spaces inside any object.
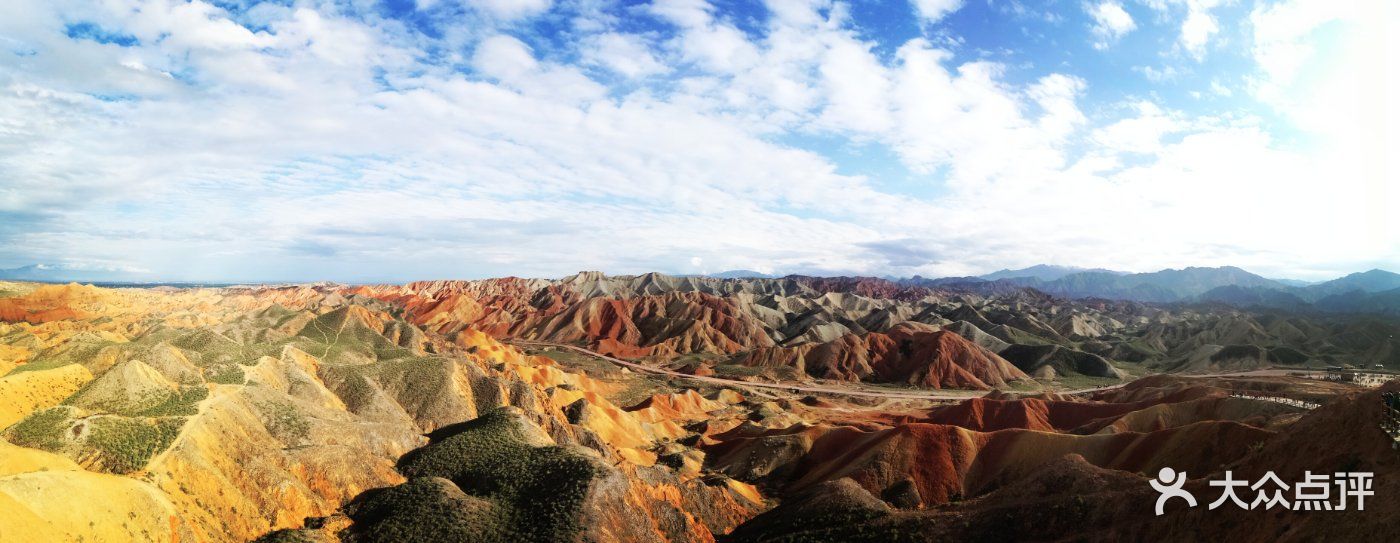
{"x":125,"y":277}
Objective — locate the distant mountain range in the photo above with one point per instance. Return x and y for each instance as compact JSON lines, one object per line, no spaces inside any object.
{"x":1044,"y":272}
{"x":1374,"y":291}
{"x":741,"y":274}
{"x":63,"y":273}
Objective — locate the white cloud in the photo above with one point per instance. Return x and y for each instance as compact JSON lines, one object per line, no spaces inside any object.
{"x":1220,"y":89}
{"x":683,"y":13}
{"x":1198,"y":26}
{"x":512,"y":63}
{"x":1284,"y":40}
{"x":504,"y":57}
{"x":856,"y":87}
{"x":511,"y":9}
{"x":966,"y":119}
{"x":1056,"y":94}
{"x":1329,"y":68}
{"x":1141,"y":133}
{"x":932,"y":11}
{"x":625,"y":54}
{"x":1158,"y":75}
{"x":1111,"y":22}
{"x":323,"y":145}
{"x":719,"y":48}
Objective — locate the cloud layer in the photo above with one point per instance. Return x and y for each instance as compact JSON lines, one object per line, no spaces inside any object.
{"x":462,"y":139}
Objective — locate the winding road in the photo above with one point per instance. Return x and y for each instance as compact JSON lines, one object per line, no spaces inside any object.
{"x":886,"y":394}
{"x":799,"y":388}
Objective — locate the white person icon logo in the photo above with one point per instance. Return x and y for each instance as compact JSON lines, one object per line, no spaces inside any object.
{"x":1169,"y":485}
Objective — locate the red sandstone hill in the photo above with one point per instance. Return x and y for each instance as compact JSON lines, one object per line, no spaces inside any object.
{"x":498,"y":307}
{"x":1041,"y":335}
{"x":1145,"y":405}
{"x":676,"y":322}
{"x":1018,"y":485}
{"x":46,"y":303}
{"x":908,"y":353}
{"x":942,"y":463}
{"x":987,"y":415}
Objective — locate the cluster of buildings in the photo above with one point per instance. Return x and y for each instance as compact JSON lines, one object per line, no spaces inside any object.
{"x":1280,"y":399}
{"x":1364,"y":378}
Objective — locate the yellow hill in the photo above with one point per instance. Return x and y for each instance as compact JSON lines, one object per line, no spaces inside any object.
{"x":26,"y":392}
{"x":129,"y":387}
{"x":15,"y":459}
{"x":39,"y":506}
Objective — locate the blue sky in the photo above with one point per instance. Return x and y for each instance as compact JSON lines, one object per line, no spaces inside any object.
{"x":398,"y":140}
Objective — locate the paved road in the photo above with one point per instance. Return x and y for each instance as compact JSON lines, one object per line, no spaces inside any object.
{"x":888,"y":394}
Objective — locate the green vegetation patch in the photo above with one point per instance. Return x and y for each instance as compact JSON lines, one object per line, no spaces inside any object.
{"x":736,"y":370}
{"x":42,"y":429}
{"x":536,"y":491}
{"x":426,"y":509}
{"x":182,"y":403}
{"x":426,"y":375}
{"x":336,"y":337}
{"x":1135,"y":350}
{"x":1287,"y":355}
{"x":285,"y":421}
{"x":356,"y":384}
{"x":590,"y":365}
{"x":163,"y":403}
{"x":206,"y":348}
{"x":225,"y":374}
{"x":1078,"y":382}
{"x":81,"y":348}
{"x":127,"y":444}
{"x":639,"y":388}
{"x":290,"y":536}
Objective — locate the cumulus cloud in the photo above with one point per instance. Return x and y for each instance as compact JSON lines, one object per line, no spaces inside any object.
{"x":1197,"y":22}
{"x":1111,"y":22}
{"x":1156,"y":74}
{"x":933,"y":11}
{"x":1329,"y":70}
{"x":1198,"y":26}
{"x":511,"y":9}
{"x":1142,"y":132}
{"x":626,"y":54}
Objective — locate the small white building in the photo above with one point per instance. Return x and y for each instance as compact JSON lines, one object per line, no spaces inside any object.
{"x":1358,"y":377}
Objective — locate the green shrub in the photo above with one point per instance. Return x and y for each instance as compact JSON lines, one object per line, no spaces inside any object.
{"x":41,"y":429}
{"x":537,"y":491}
{"x":225,"y":374}
{"x":182,"y":403}
{"x":128,"y":444}
{"x":284,"y":421}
